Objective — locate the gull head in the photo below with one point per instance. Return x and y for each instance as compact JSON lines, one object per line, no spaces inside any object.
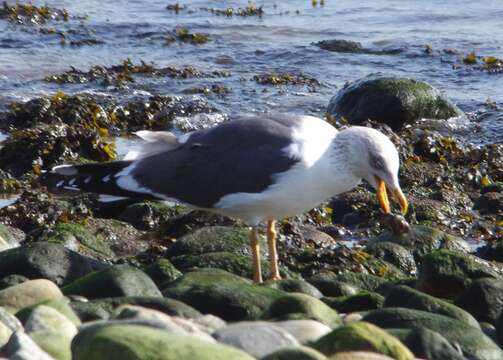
{"x":373,"y":157}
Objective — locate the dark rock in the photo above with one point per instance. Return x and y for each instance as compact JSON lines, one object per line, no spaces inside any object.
{"x":11,"y":280}
{"x":362,"y":301}
{"x":427,"y":344}
{"x":345,"y":284}
{"x":483,"y":299}
{"x":47,"y":261}
{"x":308,"y":306}
{"x":103,"y":309}
{"x":394,"y":254}
{"x":183,"y":224}
{"x":390,"y":100}
{"x":406,"y":297}
{"x":119,"y":280}
{"x":446,"y":273}
{"x":149,"y":215}
{"x":471,"y":340}
{"x":490,"y":203}
{"x":220,"y":293}
{"x":343,"y":46}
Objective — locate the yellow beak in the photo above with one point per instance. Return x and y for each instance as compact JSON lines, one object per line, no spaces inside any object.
{"x":382,"y":196}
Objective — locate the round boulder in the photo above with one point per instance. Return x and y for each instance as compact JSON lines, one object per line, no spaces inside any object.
{"x":390,"y":100}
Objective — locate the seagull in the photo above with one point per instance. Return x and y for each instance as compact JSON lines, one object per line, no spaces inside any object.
{"x":259,"y":169}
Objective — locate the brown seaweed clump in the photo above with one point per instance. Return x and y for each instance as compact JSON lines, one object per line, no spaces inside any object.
{"x":183,"y":34}
{"x":31,"y":14}
{"x":249,"y":10}
{"x":284,"y":78}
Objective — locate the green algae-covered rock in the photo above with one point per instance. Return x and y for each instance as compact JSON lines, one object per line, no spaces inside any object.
{"x":294,"y":285}
{"x":390,"y":100}
{"x":132,"y":342}
{"x":76,"y":237}
{"x":394,"y":254}
{"x":362,"y":301}
{"x":447,"y":274}
{"x":119,"y":280}
{"x":47,"y":261}
{"x":297,"y":353}
{"x":359,"y":355}
{"x":220,"y":293}
{"x":427,"y":344}
{"x":312,"y":308}
{"x":31,"y":292}
{"x":162,"y":271}
{"x":54,"y":343}
{"x":61,"y":305}
{"x":362,"y":336}
{"x":104,"y":308}
{"x":330,"y":284}
{"x":406,"y":297}
{"x":472,"y":341}
{"x":421,"y":240}
{"x":210,"y":239}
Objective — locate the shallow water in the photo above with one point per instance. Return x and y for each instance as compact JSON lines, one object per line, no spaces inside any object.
{"x":280,"y":40}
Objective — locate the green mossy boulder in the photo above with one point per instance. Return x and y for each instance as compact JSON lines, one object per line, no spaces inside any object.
{"x":56,"y":344}
{"x":119,"y":280}
{"x":394,"y":254}
{"x":472,"y":341}
{"x":447,"y":274}
{"x":77,"y":238}
{"x":310,"y":307}
{"x":131,"y":342}
{"x":62,"y":306}
{"x":390,"y":100}
{"x":427,"y":344}
{"x":362,"y":301}
{"x":47,"y":261}
{"x":102,"y":309}
{"x":331,"y":284}
{"x":162,"y":271}
{"x":29,"y":293}
{"x":294,"y":285}
{"x":362,"y":336}
{"x":220,"y":293}
{"x":406,"y":297}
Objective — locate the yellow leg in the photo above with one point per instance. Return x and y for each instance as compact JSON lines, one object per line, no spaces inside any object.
{"x":273,"y":255}
{"x":255,"y":247}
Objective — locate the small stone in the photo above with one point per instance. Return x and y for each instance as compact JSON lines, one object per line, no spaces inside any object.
{"x":29,"y":293}
{"x":255,"y":338}
{"x":304,"y":331}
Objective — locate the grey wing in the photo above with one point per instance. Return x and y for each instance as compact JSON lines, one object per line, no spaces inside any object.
{"x":238,"y":156}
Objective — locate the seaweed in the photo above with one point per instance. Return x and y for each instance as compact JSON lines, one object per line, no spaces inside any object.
{"x":31,"y":14}
{"x":284,"y":78}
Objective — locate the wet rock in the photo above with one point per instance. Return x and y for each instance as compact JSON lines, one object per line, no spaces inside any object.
{"x":304,"y":331}
{"x":404,"y":296}
{"x":7,"y":239}
{"x":187,"y":223}
{"x":220,"y":293}
{"x":162,"y":272}
{"x":393,"y":101}
{"x":149,"y":215}
{"x":308,"y":306}
{"x":297,"y":353}
{"x":446,"y":273}
{"x":119,"y":280}
{"x":394,"y":254}
{"x":28,"y":293}
{"x":141,"y":343}
{"x":294,"y":285}
{"x":483,"y":299}
{"x":362,"y":336}
{"x":342,"y":46}
{"x":362,"y":281}
{"x":102,"y":309}
{"x":22,"y":347}
{"x":421,"y":240}
{"x":362,"y":301}
{"x":471,"y":340}
{"x":256,"y":338}
{"x":427,"y":344}
{"x":490,"y":202}
{"x":175,"y":325}
{"x":48,"y":261}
